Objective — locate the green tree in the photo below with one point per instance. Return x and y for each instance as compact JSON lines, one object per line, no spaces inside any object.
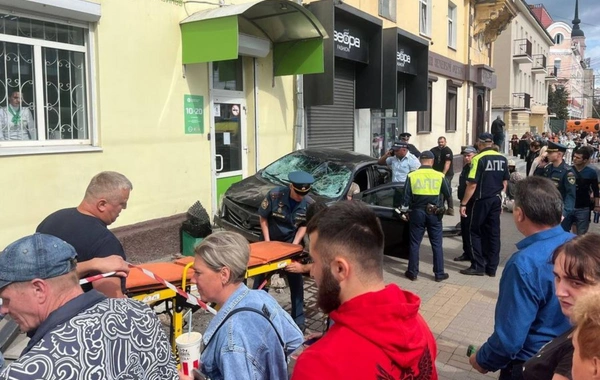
{"x":558,"y":102}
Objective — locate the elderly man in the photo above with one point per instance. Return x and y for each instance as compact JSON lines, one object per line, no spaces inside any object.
{"x":16,"y":121}
{"x":85,"y":228}
{"x":527,"y":284}
{"x":377,"y":331}
{"x":75,"y":335}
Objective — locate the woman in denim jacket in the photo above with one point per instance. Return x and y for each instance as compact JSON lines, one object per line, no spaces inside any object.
{"x":240,"y":344}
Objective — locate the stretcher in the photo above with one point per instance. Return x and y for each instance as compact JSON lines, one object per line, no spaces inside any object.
{"x":265,"y":257}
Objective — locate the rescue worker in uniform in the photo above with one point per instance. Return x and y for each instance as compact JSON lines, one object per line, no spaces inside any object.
{"x":283,"y":218}
{"x":468,"y":153}
{"x":486,"y":183}
{"x":564,"y":178}
{"x":423,"y":196}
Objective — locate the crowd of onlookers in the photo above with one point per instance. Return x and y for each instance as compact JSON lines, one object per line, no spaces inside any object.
{"x":522,"y":147}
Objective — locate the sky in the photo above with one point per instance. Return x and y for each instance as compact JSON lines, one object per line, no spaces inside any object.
{"x":589,"y":14}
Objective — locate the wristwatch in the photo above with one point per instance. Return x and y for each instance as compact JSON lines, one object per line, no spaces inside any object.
{"x":461,"y":205}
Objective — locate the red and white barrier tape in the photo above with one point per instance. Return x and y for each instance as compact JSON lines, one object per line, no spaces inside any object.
{"x":192,"y":299}
{"x":87,"y":280}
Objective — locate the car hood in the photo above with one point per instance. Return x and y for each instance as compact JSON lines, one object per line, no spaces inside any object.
{"x":252,"y":190}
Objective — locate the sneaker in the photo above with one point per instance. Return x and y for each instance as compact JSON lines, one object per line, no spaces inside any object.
{"x":450,"y":212}
{"x":442,"y":277}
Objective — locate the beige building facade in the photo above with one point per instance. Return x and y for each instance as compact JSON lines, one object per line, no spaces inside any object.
{"x":521,"y":62}
{"x":139,"y":87}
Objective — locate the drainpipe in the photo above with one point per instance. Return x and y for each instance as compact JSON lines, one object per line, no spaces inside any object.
{"x":298,"y":142}
{"x":256,"y":129}
{"x":469,"y":85}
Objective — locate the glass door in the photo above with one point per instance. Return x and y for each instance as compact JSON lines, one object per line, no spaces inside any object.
{"x":229,"y":125}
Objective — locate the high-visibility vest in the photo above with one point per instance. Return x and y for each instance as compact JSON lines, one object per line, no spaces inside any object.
{"x":426,"y":181}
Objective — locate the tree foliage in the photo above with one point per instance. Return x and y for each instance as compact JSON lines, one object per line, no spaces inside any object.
{"x":558,"y":102}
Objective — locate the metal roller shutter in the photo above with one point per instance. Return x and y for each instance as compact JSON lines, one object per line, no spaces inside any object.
{"x":332,"y":126}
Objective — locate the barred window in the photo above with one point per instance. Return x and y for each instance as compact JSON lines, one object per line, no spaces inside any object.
{"x":43,"y":83}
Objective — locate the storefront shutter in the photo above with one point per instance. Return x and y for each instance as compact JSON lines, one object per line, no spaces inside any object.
{"x":332,"y":126}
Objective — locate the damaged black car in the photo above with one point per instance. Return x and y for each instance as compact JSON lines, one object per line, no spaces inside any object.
{"x":334,"y":171}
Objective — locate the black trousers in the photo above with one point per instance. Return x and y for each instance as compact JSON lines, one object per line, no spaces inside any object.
{"x":485,"y":234}
{"x":465,"y":231}
{"x":513,"y":371}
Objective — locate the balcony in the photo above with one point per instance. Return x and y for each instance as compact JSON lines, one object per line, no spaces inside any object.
{"x":539,"y":64}
{"x":552,"y":76}
{"x":522,"y":51}
{"x":521,"y":101}
{"x":492,"y":17}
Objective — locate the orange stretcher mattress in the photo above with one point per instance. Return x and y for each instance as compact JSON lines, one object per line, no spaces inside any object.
{"x":261,"y":253}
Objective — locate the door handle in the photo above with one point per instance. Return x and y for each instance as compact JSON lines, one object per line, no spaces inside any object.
{"x":219,"y":168}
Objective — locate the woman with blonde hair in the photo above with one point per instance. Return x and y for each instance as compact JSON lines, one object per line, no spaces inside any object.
{"x":251,"y":335}
{"x":586,"y":338}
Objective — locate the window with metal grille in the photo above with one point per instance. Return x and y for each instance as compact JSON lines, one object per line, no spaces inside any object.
{"x":44,"y":98}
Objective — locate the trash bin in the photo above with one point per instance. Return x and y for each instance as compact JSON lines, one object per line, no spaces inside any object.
{"x":194,"y":229}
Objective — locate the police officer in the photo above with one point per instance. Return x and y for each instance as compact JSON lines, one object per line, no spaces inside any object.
{"x":401,"y":162}
{"x":486,"y":183}
{"x":468,"y":153}
{"x":563,"y":177}
{"x":405,"y":136}
{"x":283,"y":218}
{"x":422,"y":195}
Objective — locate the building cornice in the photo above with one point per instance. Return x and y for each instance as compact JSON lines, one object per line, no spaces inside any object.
{"x":492,"y":17}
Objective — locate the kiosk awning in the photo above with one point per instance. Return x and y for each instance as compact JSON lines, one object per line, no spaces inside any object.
{"x":252,"y":29}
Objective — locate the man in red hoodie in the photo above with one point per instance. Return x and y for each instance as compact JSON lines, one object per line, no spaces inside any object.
{"x":377,"y":331}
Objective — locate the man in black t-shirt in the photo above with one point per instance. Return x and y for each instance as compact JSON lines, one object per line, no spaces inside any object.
{"x":443,"y":162}
{"x":85,"y":227}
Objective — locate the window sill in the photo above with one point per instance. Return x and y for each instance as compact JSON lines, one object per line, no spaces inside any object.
{"x":32,"y":150}
{"x":453,"y":48}
{"x":423,"y":132}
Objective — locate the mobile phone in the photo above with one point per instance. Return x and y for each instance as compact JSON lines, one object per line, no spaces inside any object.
{"x":198,"y":375}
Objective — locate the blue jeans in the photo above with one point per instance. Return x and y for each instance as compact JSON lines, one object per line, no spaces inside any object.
{"x":580,"y":217}
{"x":419,"y":221}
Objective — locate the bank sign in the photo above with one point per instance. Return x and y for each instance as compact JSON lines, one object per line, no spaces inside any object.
{"x":350,"y":42}
{"x":405,"y":60}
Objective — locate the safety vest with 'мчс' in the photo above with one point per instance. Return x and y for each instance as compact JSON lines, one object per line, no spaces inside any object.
{"x":426,"y":181}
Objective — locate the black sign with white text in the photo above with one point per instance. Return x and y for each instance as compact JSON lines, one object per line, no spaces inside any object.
{"x":406,"y":60}
{"x":350,"y":42}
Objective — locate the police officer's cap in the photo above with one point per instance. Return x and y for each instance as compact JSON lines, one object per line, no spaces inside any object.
{"x":468,"y":150}
{"x":405,"y":134}
{"x":486,"y":137}
{"x":399,"y":145}
{"x":556,"y":147}
{"x":301,"y":181}
{"x":426,"y":155}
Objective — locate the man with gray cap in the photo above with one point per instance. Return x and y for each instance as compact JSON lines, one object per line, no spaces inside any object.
{"x":423,"y":196}
{"x":73,"y":334}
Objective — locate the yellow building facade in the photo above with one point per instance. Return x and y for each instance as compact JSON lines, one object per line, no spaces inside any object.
{"x":108,"y":89}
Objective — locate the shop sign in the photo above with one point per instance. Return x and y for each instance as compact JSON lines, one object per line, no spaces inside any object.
{"x":350,"y":42}
{"x":193,"y":114}
{"x":405,"y":60}
{"x":439,"y":64}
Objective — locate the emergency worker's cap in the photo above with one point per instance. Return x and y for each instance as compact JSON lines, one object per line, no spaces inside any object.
{"x":301,"y":181}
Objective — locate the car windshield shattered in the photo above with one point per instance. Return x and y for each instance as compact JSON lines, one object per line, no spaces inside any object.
{"x":330,"y":179}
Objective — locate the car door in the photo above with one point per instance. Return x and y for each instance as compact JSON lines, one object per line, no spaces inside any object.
{"x":381,"y":201}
